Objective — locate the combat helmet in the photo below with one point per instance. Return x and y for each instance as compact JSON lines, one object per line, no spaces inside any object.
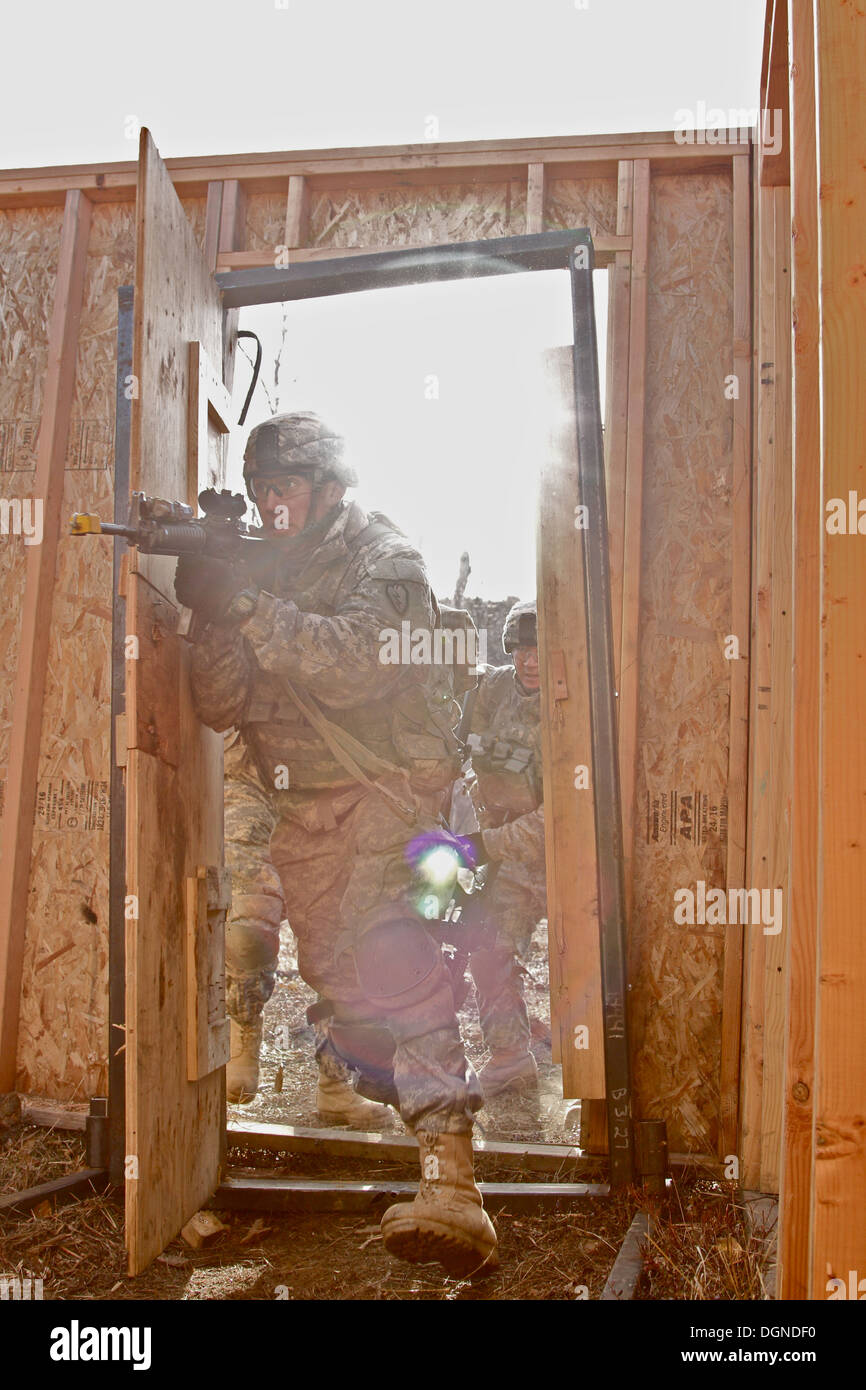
{"x":300,"y":442}
{"x":521,"y":627}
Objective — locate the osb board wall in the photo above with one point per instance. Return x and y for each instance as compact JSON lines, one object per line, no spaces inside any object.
{"x":29,"y":249}
{"x":431,"y":216}
{"x":581,"y":203}
{"x":62,"y":1046}
{"x":63,"y":1031}
{"x":681,"y":823}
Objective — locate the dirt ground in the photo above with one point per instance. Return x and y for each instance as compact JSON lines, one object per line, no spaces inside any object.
{"x":700,"y":1248}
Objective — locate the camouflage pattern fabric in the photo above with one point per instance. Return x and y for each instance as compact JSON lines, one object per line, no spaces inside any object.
{"x":505,"y":739}
{"x":338,"y":848}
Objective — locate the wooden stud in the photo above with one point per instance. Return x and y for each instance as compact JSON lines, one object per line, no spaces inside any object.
{"x":729,"y":1069}
{"x":213,"y":218}
{"x":210,"y":421}
{"x":535,"y":199}
{"x":628,"y":688}
{"x":297,"y":211}
{"x":29,"y":692}
{"x":616,"y":401}
{"x":232,"y":215}
{"x":839,"y":1192}
{"x":797,"y":1174}
{"x":760,"y":770}
{"x":778,"y":866}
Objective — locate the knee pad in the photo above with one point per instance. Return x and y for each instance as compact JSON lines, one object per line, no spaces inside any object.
{"x":398,"y":963}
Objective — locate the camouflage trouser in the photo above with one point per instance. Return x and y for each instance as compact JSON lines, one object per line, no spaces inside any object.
{"x":513,"y":910}
{"x":339,"y":859}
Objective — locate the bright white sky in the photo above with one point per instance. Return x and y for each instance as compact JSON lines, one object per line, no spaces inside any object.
{"x":245,"y":75}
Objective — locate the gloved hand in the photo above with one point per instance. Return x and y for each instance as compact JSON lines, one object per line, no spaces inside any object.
{"x":208,"y":585}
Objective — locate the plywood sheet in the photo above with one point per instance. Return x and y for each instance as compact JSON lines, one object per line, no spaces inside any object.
{"x":174,"y":812}
{"x":413,"y":216}
{"x":63,"y":1038}
{"x":581,"y":203}
{"x":29,"y":250}
{"x":681,"y":823}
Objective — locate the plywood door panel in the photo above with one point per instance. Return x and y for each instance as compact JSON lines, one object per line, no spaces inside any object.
{"x":174,"y":771}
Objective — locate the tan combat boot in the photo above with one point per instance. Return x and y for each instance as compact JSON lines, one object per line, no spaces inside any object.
{"x":446,"y":1221}
{"x":339,"y":1102}
{"x":242,"y":1071}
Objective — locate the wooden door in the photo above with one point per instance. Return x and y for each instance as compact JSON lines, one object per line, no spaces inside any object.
{"x":176,"y":1033}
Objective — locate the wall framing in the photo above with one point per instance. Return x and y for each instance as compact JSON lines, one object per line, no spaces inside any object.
{"x":671,"y":221}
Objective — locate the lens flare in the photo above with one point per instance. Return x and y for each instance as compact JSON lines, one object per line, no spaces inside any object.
{"x":439,"y":866}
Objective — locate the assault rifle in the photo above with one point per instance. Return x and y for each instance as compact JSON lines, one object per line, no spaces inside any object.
{"x":159,"y":527}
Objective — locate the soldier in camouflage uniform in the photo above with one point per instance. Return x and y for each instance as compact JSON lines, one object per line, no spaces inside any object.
{"x":504,"y":736}
{"x":349,"y":759}
{"x":253,"y":943}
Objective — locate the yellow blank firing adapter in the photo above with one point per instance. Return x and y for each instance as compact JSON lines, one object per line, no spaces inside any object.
{"x":85,"y":524}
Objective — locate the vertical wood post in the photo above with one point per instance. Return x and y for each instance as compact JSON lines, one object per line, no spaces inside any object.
{"x":839,"y":1194}
{"x":798,"y":1158}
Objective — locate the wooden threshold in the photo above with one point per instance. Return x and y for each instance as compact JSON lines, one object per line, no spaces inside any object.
{"x":244,"y":1192}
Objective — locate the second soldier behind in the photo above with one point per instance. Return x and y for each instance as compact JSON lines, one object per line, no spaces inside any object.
{"x":504,"y":736}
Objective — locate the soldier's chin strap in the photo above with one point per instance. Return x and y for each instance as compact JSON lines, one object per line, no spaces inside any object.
{"x":355,"y":756}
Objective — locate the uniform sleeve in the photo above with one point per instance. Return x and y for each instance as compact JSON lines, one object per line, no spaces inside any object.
{"x":221,"y":674}
{"x":521,"y":840}
{"x":353,"y":656}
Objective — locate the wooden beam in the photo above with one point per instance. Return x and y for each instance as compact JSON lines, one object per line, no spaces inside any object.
{"x":535,"y":199}
{"x":297,"y":211}
{"x":840,"y":1040}
{"x":797,"y":1174}
{"x":629,"y":672}
{"x":605,"y":248}
{"x":84,"y":1183}
{"x":29,"y":687}
{"x":741,"y":495}
{"x":623,"y":1279}
{"x":464,"y":161}
{"x":52,"y":1116}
